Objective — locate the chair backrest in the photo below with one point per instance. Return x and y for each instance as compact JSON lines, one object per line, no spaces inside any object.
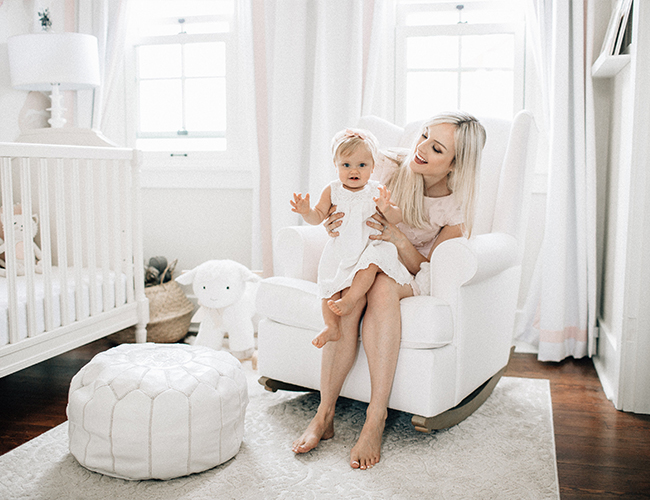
{"x":503,"y":167}
{"x":490,"y":175}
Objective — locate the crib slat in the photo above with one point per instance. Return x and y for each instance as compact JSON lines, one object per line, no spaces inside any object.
{"x":77,"y":252}
{"x":117,"y":233}
{"x":10,"y":244}
{"x":46,"y":243}
{"x":89,"y":211}
{"x":61,"y":241}
{"x":26,"y":203}
{"x":104,"y":242}
{"x":128,"y":250}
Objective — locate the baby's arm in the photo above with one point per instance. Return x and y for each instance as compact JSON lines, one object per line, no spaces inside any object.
{"x":391,"y":212}
{"x":316,"y":215}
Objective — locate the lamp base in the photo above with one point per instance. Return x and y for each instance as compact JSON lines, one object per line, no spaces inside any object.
{"x":66,"y":135}
{"x":57,"y":109}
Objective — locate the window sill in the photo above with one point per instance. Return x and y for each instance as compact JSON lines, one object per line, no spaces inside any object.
{"x":195,"y":179}
{"x":608,"y":66}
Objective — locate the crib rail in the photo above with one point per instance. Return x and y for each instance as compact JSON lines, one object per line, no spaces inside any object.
{"x":88,"y":232}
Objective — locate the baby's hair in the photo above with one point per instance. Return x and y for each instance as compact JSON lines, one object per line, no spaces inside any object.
{"x":407,"y":188}
{"x":348,"y":140}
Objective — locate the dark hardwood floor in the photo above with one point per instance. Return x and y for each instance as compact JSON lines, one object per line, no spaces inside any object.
{"x":601,"y":452}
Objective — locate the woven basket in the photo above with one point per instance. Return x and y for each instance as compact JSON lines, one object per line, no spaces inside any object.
{"x":170,"y":312}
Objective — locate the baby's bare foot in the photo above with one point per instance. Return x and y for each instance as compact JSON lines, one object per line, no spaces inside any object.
{"x":342,"y":306}
{"x":329,"y":334}
{"x":367,"y":451}
{"x":319,"y":428}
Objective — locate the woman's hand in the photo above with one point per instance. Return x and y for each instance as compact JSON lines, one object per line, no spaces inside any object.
{"x":408,"y":254}
{"x":387,"y":231}
{"x":333,"y":221}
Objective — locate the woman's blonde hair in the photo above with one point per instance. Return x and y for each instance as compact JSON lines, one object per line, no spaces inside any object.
{"x":407,"y":188}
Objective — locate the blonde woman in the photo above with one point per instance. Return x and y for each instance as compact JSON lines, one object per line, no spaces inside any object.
{"x":434,"y":185}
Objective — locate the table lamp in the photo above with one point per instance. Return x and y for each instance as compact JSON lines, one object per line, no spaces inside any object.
{"x":54,"y":62}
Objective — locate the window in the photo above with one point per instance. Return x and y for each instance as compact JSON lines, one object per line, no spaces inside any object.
{"x":181,"y":59}
{"x":452,"y":55}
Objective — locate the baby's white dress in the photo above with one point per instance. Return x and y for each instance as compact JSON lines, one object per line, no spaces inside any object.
{"x":353,"y":250}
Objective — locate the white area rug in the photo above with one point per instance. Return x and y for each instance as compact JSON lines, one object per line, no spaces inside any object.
{"x":505,"y":450}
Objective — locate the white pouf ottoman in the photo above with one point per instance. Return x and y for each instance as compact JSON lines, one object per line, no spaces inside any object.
{"x":157,"y":411}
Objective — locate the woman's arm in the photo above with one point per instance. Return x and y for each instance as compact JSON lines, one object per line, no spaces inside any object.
{"x":407,"y":252}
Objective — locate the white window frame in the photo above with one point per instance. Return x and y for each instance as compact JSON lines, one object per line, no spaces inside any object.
{"x":182,"y":39}
{"x":180,"y":168}
{"x":402,"y":32}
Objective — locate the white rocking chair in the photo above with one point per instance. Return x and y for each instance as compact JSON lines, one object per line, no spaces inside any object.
{"x":456,"y":342}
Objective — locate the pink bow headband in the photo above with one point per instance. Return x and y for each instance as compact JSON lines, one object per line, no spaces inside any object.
{"x":353,"y":133}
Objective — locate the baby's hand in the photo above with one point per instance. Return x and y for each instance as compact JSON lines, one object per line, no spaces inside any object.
{"x":299,"y":204}
{"x":383,"y":200}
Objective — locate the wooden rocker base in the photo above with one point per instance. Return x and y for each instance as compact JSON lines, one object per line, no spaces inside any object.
{"x":272,"y":385}
{"x":461,"y":411}
{"x":443,"y":420}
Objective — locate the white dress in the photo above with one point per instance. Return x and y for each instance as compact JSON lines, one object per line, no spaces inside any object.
{"x":353,"y":250}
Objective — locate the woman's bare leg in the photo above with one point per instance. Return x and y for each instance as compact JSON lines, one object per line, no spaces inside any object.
{"x":363,"y":280}
{"x":332,"y":330}
{"x":381,"y":341}
{"x":336,"y":363}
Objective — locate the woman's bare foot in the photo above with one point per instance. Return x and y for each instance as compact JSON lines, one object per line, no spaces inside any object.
{"x":329,"y":334}
{"x":319,"y":428}
{"x":367,"y":451}
{"x":341,"y":307}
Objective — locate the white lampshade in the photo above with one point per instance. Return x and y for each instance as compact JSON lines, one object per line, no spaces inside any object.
{"x":54,"y":61}
{"x":36,"y":61}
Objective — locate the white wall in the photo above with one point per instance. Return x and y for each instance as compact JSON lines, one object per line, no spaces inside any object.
{"x":195,"y":225}
{"x":624,"y":344}
{"x":615,"y":208}
{"x":15,"y":19}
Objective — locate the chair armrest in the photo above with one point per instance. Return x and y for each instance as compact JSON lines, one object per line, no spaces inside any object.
{"x":297,"y":251}
{"x":479,"y":279}
{"x":461,"y":262}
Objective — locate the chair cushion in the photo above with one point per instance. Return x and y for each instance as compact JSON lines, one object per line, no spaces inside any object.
{"x":426,"y":321}
{"x":290,"y":301}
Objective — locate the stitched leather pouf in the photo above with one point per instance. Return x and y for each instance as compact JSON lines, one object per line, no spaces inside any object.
{"x":157,"y":411}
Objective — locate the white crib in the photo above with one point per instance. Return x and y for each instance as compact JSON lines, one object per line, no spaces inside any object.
{"x":90,"y":281}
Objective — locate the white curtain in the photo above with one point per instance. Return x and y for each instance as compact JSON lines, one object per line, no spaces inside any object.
{"x":107,"y":20}
{"x":561,"y":307}
{"x":110,"y":28}
{"x":317,"y":67}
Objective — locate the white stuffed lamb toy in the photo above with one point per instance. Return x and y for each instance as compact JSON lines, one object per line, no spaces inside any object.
{"x":226,"y":292}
